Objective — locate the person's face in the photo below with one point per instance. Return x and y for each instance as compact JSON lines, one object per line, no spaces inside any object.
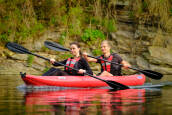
{"x":74,"y":50}
{"x":105,"y":48}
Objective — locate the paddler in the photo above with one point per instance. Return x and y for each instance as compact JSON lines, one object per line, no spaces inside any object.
{"x":77,"y":62}
{"x":108,"y":69}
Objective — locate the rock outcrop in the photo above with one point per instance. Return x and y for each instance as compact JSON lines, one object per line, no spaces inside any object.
{"x":141,"y":44}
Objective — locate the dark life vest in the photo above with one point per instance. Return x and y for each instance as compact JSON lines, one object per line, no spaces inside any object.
{"x":71,"y":62}
{"x":106,"y":65}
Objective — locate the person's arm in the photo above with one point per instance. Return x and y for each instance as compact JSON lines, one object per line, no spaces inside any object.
{"x":85,"y":68}
{"x":52,"y":61}
{"x":89,"y":59}
{"x":125,"y":64}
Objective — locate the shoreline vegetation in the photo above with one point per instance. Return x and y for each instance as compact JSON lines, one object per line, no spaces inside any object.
{"x":27,"y":19}
{"x":137,"y":29}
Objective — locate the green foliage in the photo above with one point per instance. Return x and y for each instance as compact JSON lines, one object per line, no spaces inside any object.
{"x":171,"y":11}
{"x":53,"y":21}
{"x":44,"y":49}
{"x":24,"y":32}
{"x":43,"y":9}
{"x":17,"y":25}
{"x":131,"y":14}
{"x":109,"y":25}
{"x":30,"y":60}
{"x":156,"y":12}
{"x":62,"y":38}
{"x":94,"y":21}
{"x":4,"y":36}
{"x":91,"y":35}
{"x":65,"y":56}
{"x":46,"y":69}
{"x":75,"y":20}
{"x":1,"y":1}
{"x":28,"y":18}
{"x":96,"y":52}
{"x":64,"y":20}
{"x":38,"y":27}
{"x":93,"y":38}
{"x":21,"y":20}
{"x":144,"y":5}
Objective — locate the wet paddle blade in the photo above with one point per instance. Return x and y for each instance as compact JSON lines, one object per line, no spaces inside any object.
{"x":116,"y":85}
{"x":16,"y":48}
{"x":149,"y":73}
{"x":152,"y":74}
{"x":55,"y":46}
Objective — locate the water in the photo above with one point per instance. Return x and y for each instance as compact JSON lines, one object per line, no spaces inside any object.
{"x":16,"y":99}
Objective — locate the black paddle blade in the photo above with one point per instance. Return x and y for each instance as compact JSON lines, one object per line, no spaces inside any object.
{"x":152,"y":74}
{"x":116,"y":85}
{"x":16,"y":48}
{"x":55,"y":46}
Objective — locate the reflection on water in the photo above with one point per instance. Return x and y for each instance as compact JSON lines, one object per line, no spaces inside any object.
{"x":59,"y":101}
{"x":76,"y":101}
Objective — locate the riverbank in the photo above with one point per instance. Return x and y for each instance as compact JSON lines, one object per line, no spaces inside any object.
{"x":144,"y":54}
{"x":139,"y":32}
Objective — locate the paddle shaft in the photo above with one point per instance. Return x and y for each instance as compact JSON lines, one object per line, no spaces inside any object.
{"x":149,"y":73}
{"x":19,"y":49}
{"x":67,"y":66}
{"x":136,"y":69}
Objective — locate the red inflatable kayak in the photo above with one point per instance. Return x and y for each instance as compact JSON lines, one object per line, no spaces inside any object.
{"x":81,"y":81}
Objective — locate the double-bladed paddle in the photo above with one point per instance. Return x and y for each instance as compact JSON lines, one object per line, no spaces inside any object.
{"x":148,"y":73}
{"x":20,"y":49}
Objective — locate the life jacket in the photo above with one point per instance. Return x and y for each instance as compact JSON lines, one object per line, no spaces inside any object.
{"x":71,"y":62}
{"x":106,"y":65}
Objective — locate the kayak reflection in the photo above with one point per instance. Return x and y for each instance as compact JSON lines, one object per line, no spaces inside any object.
{"x":77,"y":101}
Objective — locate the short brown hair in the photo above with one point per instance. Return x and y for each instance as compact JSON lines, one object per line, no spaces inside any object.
{"x":107,"y":42}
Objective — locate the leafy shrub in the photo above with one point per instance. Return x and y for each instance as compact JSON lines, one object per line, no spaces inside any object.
{"x":37,"y":28}
{"x":62,"y":38}
{"x":30,"y":59}
{"x":75,"y":20}
{"x":171,"y":11}
{"x":109,"y":25}
{"x":92,"y":36}
{"x":4,"y":37}
{"x":96,"y":52}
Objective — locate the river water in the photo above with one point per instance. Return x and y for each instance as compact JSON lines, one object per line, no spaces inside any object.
{"x":17,"y":99}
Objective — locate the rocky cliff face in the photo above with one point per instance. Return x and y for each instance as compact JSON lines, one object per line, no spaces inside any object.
{"x":143,"y":45}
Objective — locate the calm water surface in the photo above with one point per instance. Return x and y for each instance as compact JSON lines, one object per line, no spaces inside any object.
{"x":15,"y":99}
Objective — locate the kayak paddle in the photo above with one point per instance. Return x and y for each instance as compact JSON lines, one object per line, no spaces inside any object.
{"x":148,"y":73}
{"x":20,"y":49}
